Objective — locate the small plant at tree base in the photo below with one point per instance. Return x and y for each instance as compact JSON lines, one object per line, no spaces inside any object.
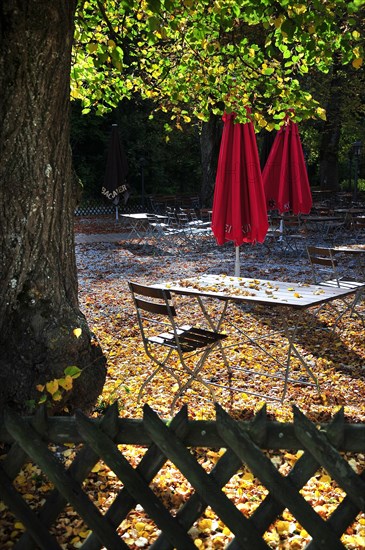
{"x":56,"y":389}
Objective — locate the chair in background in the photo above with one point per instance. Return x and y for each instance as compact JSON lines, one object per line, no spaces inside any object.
{"x":274,"y":236}
{"x":169,"y":235}
{"x":358,"y":224}
{"x":324,"y":265}
{"x":198,"y":231}
{"x":294,"y":235}
{"x":206,"y":214}
{"x":163,"y":339}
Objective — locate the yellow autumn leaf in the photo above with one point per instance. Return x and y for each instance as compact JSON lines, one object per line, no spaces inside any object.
{"x":321,"y":113}
{"x":205,"y":524}
{"x":279,"y":21}
{"x":69,"y":452}
{"x":299,"y":8}
{"x":40,"y":387}
{"x":353,"y":541}
{"x":77,"y":332}
{"x":325,"y":479}
{"x":52,"y":386}
{"x":357,"y":63}
{"x":57,"y":396}
{"x":92,"y":47}
{"x":66,"y":383}
{"x":290,"y":457}
{"x":297,"y":295}
{"x":282,"y":526}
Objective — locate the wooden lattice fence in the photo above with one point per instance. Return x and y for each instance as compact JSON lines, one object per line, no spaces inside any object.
{"x":245,"y":443}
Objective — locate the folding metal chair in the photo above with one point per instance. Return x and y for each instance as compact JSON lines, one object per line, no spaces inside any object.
{"x":166,"y":234}
{"x":294,"y":235}
{"x":162,"y":338}
{"x":359,"y":229}
{"x":324,"y":263}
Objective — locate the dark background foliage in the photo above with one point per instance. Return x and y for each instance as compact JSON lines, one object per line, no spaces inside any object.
{"x":170,"y":159}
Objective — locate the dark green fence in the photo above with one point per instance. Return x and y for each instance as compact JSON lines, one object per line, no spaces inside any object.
{"x":37,"y":438}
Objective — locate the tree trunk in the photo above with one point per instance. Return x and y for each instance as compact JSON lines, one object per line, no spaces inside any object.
{"x":209,"y":144}
{"x":330,"y":136}
{"x":38,"y":295}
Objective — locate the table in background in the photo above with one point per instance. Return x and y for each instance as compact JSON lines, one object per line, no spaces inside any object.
{"x":356,"y":250}
{"x":325,"y":224}
{"x":139,"y":224}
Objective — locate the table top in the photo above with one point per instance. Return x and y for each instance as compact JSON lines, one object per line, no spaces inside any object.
{"x":142,"y":216}
{"x":267,"y":292}
{"x":324,"y":218}
{"x":350,"y":248}
{"x":136,"y":216}
{"x":350,"y":210}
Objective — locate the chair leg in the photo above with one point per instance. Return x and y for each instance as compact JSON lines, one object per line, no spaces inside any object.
{"x":358,"y":297}
{"x":161,"y":365}
{"x":194,"y":376}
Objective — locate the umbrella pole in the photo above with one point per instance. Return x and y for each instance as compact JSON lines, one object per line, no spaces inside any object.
{"x":281,"y":229}
{"x":237,"y":268}
{"x":116,"y":213}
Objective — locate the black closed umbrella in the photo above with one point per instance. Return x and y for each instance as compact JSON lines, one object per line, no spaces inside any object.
{"x":115,"y":184}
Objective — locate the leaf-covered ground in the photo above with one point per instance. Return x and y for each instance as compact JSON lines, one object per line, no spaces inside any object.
{"x":336,"y":358}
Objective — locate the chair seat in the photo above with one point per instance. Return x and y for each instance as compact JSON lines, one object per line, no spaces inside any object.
{"x":190,"y":338}
{"x":340,"y":283}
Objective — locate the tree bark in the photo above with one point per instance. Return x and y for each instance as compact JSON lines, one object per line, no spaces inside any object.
{"x":209,"y":145}
{"x":38,"y":296}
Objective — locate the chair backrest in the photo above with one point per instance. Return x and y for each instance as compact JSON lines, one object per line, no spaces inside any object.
{"x":293,"y":223}
{"x":190,"y":213}
{"x":171,"y":217}
{"x":322,"y":261}
{"x":159,"y":302}
{"x":155,"y":311}
{"x":359,"y":224}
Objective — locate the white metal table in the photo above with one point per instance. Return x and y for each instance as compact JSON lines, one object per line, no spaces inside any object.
{"x":140,"y":225}
{"x":349,"y":248}
{"x":289,"y":299}
{"x":356,"y":250}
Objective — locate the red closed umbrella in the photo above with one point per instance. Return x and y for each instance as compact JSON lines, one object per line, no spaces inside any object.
{"x":239,"y":208}
{"x":284,"y":176}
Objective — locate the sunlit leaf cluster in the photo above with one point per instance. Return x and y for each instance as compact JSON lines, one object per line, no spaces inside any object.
{"x":197,"y":58}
